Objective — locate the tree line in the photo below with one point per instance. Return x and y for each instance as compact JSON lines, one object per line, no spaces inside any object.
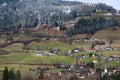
{"x":16,"y":75}
{"x":11,"y":74}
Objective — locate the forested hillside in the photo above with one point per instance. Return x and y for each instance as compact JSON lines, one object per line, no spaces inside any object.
{"x":92,"y":24}
{"x":15,"y":14}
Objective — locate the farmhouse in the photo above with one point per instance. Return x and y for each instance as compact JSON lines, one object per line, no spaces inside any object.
{"x":76,"y":50}
{"x":109,"y":48}
{"x":92,"y":50}
{"x":39,"y":53}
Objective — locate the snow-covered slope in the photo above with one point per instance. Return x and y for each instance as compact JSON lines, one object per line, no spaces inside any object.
{"x":28,"y":13}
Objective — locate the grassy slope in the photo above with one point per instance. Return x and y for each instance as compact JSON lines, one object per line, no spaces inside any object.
{"x":103,"y":34}
{"x":108,"y":33}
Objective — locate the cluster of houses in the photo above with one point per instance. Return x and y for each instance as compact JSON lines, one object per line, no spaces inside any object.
{"x":114,"y":58}
{"x":76,"y":72}
{"x":50,"y":52}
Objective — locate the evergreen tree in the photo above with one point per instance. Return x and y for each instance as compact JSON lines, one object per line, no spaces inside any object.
{"x":90,"y":65}
{"x":11,"y":75}
{"x":6,"y":74}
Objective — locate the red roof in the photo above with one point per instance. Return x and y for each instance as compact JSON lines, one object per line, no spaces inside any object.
{"x":92,"y":49}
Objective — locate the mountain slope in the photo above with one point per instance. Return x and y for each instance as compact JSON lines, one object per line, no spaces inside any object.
{"x":15,"y":14}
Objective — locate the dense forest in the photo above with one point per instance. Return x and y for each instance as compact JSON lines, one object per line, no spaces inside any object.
{"x":92,"y":24}
{"x":15,"y":14}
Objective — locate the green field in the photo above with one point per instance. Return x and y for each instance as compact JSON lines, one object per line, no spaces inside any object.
{"x":52,"y":44}
{"x":31,"y":58}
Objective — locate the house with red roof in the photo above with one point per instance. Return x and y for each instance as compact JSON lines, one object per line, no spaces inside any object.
{"x":92,"y":50}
